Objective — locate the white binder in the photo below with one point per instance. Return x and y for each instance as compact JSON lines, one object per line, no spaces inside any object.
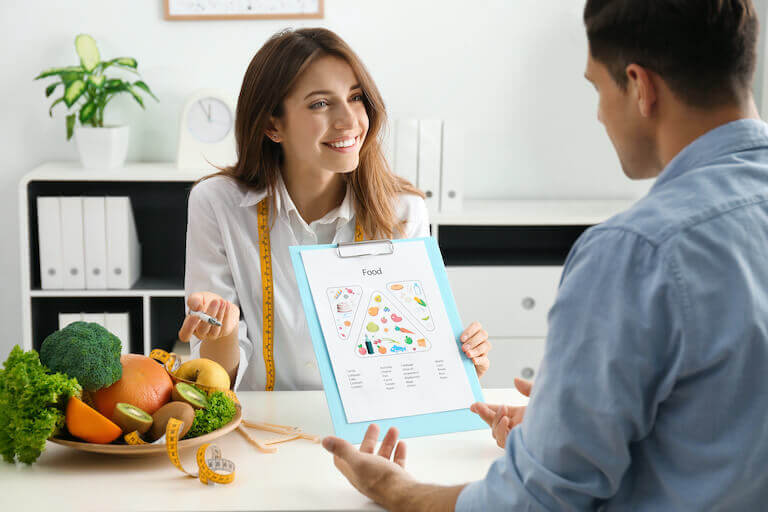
{"x":430,"y":150}
{"x":407,"y":149}
{"x":117,"y":324}
{"x":72,"y":252}
{"x":123,"y":250}
{"x":67,"y":318}
{"x":453,"y":164}
{"x":49,"y":238}
{"x":95,"y":318}
{"x":95,"y":239}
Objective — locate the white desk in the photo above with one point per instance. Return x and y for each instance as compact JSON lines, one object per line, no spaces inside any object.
{"x":301,"y":476}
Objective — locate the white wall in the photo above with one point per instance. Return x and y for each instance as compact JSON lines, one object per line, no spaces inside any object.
{"x":511,"y":70}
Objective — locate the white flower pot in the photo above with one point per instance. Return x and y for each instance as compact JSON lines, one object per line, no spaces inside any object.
{"x":102,"y":148}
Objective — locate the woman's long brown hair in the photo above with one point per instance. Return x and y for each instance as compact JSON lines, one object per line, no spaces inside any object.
{"x":270,"y":76}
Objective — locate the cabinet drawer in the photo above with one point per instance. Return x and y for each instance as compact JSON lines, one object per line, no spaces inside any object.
{"x":513,"y":357}
{"x":508,"y":301}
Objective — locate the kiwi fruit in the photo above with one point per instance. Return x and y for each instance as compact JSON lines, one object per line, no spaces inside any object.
{"x":183,"y":392}
{"x":129,"y":418}
{"x":180,"y":410}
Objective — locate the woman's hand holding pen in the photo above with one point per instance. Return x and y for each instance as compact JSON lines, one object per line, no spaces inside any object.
{"x":225,"y":312}
{"x":475,"y":344}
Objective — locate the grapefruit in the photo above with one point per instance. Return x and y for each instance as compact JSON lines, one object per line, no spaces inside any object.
{"x":144,"y":384}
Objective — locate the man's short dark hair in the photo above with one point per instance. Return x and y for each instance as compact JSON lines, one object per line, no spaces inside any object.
{"x":705,"y":50}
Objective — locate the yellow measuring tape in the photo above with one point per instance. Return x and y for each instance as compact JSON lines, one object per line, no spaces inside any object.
{"x":267,"y":290}
{"x":212,"y":467}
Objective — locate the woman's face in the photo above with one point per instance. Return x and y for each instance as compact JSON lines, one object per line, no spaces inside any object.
{"x":324,"y":122}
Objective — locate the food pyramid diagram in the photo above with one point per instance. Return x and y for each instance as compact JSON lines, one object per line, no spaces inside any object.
{"x":387,"y":331}
{"x":344,"y":302}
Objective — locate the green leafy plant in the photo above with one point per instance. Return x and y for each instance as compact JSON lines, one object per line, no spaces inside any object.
{"x":220,"y":411}
{"x":32,"y":403}
{"x":87,"y":88}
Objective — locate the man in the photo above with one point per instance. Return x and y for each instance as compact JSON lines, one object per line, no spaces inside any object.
{"x":652,"y":393}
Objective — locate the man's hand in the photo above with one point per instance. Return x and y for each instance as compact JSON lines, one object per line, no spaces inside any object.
{"x":503,"y":418}
{"x":373,"y":475}
{"x":385,"y":481}
{"x":474,"y":343}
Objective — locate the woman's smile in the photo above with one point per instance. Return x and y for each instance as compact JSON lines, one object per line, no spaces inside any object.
{"x":345,"y":145}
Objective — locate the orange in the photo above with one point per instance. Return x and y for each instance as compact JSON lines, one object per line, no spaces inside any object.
{"x":144,"y":384}
{"x":87,"y":424}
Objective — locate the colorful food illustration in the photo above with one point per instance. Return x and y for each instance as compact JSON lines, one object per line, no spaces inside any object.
{"x":344,"y":301}
{"x":387,"y":331}
{"x":410,"y":295}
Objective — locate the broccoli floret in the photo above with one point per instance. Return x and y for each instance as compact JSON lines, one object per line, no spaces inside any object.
{"x":85,"y":351}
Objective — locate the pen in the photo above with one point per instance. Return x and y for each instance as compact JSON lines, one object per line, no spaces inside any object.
{"x":206,"y":318}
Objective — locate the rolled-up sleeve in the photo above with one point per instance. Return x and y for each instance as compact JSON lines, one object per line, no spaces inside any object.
{"x":416,"y":216}
{"x":613,"y":352}
{"x":207,"y":268}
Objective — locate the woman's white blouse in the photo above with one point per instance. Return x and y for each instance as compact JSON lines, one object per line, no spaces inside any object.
{"x":222,"y":256}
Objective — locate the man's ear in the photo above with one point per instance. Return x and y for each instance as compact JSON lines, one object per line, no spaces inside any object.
{"x":643,"y":85}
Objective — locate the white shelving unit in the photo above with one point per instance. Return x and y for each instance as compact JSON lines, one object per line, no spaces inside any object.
{"x":69,"y":178}
{"x":503,"y":258}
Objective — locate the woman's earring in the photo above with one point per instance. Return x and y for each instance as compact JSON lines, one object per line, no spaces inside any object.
{"x":274,"y":138}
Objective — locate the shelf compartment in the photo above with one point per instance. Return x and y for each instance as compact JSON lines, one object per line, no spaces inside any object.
{"x":166,"y":316}
{"x":506,"y":245}
{"x":160,"y":212}
{"x":45,"y":315}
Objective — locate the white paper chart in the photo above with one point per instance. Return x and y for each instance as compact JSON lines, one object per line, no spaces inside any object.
{"x":387,"y":333}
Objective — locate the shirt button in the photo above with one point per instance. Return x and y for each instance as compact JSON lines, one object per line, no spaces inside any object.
{"x":309,"y":365}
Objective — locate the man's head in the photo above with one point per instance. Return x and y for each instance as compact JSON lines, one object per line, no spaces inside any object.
{"x":661,"y":61}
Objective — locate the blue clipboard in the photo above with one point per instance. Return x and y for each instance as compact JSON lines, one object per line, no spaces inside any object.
{"x":409,"y":426}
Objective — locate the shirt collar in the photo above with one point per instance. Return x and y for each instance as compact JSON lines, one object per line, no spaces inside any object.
{"x":284,"y":204}
{"x":726,"y":139}
{"x":253,"y":197}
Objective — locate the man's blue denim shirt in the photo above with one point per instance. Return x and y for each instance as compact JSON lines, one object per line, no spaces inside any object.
{"x":653,"y":390}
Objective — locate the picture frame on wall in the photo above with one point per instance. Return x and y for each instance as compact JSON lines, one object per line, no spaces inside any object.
{"x":243,"y":9}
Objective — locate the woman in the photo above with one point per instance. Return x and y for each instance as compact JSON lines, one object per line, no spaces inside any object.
{"x":310,"y":168}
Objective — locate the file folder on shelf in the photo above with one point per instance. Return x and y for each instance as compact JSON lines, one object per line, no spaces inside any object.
{"x":95,"y":242}
{"x":72,"y":243}
{"x":453,"y":163}
{"x":49,"y":238}
{"x":123,"y":249}
{"x":430,"y":151}
{"x":95,"y":318}
{"x":118,"y":324}
{"x":67,"y":318}
{"x":407,"y":149}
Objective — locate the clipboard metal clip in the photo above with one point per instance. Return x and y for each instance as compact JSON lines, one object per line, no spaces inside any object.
{"x":365,"y":248}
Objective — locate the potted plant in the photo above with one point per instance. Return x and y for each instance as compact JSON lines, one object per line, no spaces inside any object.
{"x":86,"y":93}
